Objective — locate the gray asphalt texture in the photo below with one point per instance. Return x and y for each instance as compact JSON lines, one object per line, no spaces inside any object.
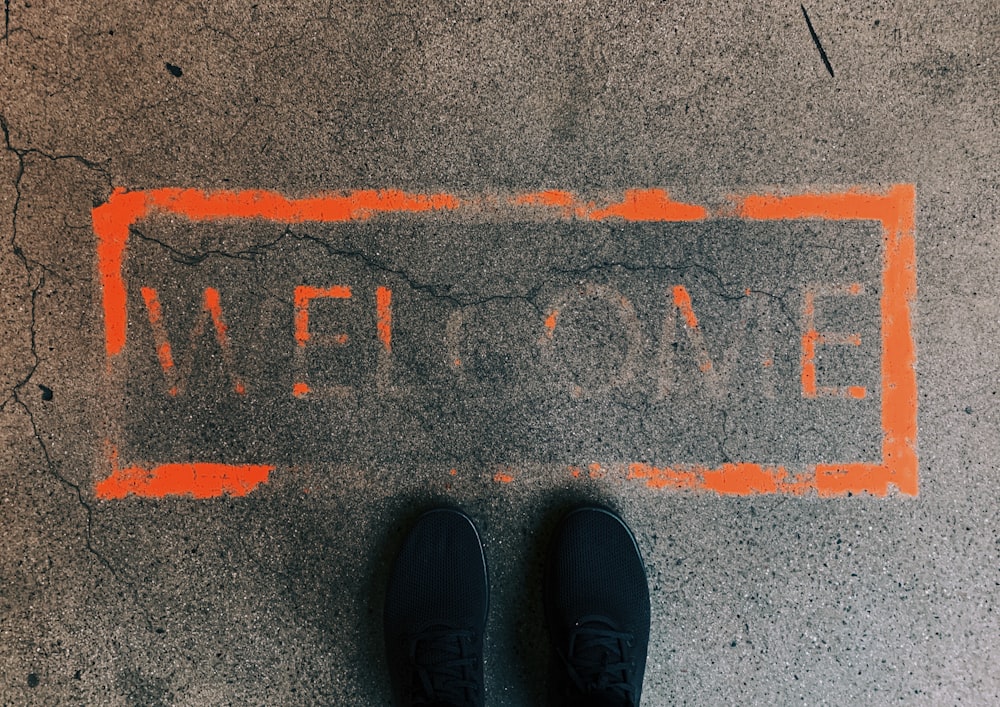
{"x":275,"y":598}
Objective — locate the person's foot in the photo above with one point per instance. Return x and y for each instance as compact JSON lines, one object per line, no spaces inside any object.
{"x":435,"y":613}
{"x":597,"y":610}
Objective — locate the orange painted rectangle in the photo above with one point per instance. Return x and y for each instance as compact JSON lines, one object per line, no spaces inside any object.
{"x":893,"y":210}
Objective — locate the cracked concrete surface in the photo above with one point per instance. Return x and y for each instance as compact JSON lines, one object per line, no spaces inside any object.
{"x":275,"y":597}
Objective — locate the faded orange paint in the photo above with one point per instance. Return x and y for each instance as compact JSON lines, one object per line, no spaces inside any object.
{"x":650,"y":205}
{"x":197,"y":479}
{"x":663,"y":477}
{"x":111,"y":222}
{"x":809,"y":304}
{"x":200,"y":480}
{"x":300,"y":389}
{"x":214,"y":306}
{"x":383,"y":314}
{"x":741,"y":479}
{"x":638,"y":205}
{"x":164,"y":350}
{"x":812,"y":338}
{"x":893,"y":209}
{"x":305,"y":294}
{"x":852,"y":205}
{"x":899,"y":379}
{"x":682,"y":303}
{"x":551,"y":197}
{"x":198,"y":205}
{"x":550,"y":322}
{"x":839,"y":479}
{"x":808,"y":363}
{"x":502,"y":477}
{"x":155,"y":311}
{"x":682,"y":300}
{"x":164,"y":356}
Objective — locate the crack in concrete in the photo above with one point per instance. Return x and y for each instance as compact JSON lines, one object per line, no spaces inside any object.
{"x":18,"y":253}
{"x":16,"y":395}
{"x":442,"y":292}
{"x":23,"y":152}
{"x":721,"y":291}
{"x":192,"y":259}
{"x":28,"y":263}
{"x":49,"y":463}
{"x":434,"y":291}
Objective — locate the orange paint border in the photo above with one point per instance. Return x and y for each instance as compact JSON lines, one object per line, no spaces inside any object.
{"x":200,"y":480}
{"x":893,"y":209}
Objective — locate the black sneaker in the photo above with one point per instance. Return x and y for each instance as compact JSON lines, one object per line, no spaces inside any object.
{"x":435,"y":613}
{"x":597,"y":609}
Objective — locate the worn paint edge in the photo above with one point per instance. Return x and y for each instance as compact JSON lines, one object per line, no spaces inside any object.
{"x":893,"y":209}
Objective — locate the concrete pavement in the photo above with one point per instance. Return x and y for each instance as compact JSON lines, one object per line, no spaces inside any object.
{"x":276,"y":279}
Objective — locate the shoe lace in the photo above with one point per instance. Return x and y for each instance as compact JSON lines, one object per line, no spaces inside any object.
{"x":444,"y":666}
{"x":599,"y":660}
